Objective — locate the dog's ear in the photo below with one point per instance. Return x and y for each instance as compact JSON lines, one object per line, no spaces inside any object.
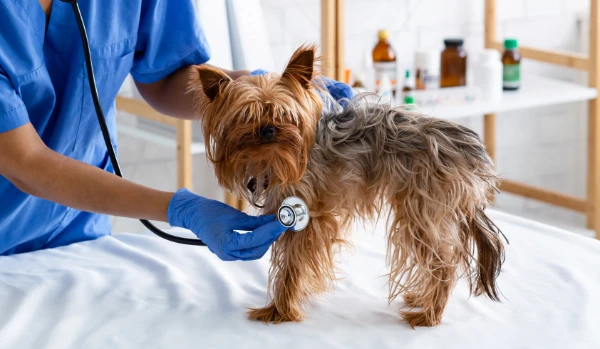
{"x":210,"y":79}
{"x":301,"y":66}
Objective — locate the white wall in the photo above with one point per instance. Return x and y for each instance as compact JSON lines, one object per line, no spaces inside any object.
{"x":544,"y":147}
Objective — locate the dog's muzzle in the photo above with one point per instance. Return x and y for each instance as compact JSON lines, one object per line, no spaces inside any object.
{"x":257,"y":188}
{"x":253,"y":185}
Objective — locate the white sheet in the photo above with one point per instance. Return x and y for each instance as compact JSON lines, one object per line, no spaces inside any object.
{"x":133,"y":291}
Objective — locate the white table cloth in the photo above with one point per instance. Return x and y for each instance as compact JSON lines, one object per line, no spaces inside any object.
{"x":138,"y":291}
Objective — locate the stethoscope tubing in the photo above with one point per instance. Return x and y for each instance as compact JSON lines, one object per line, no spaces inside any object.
{"x":104,"y":128}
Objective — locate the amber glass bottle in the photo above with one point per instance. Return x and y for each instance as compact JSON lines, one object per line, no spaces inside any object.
{"x":384,"y":60}
{"x":511,"y":65}
{"x":454,"y":64}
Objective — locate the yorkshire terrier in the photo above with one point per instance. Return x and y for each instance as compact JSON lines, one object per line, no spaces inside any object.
{"x":274,"y":136}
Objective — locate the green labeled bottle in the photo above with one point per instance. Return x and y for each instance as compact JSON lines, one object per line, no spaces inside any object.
{"x":511,"y":66}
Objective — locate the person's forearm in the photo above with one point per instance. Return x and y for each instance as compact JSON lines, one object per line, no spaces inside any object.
{"x":169,"y":96}
{"x":54,"y":177}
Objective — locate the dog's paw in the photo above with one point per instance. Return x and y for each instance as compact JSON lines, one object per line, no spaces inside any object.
{"x":412,"y":300}
{"x":271,"y":314}
{"x":421,"y":318}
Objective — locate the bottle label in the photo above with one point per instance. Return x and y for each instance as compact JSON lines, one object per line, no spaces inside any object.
{"x":511,"y":75}
{"x":427,"y":79}
{"x":387,"y":68}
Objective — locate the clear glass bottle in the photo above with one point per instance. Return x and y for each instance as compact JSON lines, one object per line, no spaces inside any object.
{"x":511,"y":65}
{"x":453,"y":64}
{"x":384,"y":60}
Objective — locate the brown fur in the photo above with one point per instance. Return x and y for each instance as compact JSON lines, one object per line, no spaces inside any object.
{"x":433,"y":178}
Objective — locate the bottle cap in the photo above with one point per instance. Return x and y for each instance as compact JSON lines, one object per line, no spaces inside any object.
{"x":489,"y":55}
{"x":429,"y":60}
{"x":453,"y":42}
{"x":383,"y":34}
{"x":510,"y":44}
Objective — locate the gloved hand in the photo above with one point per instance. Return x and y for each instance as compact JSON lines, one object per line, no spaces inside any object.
{"x":338,"y":90}
{"x":213,"y":222}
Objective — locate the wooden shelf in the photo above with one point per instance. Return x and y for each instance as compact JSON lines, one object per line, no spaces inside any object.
{"x":535,"y":91}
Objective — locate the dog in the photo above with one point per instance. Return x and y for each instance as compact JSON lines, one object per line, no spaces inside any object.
{"x":274,"y":136}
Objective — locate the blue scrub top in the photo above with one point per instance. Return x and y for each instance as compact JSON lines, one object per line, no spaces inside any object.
{"x":43,"y":81}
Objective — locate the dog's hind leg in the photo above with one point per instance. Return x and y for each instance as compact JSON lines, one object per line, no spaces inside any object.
{"x":302,"y":266}
{"x":428,"y":302}
{"x":422,"y":259}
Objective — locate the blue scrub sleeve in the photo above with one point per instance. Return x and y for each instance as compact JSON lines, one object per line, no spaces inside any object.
{"x":13,"y":113}
{"x":170,"y":37}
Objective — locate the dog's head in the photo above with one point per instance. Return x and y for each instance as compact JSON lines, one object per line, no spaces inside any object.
{"x":259,"y":129}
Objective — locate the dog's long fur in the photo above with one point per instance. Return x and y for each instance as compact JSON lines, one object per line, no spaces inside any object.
{"x":433,"y":177}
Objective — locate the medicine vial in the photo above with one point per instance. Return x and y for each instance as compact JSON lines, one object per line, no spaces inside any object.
{"x":384,"y":60}
{"x":511,"y":65}
{"x":454,"y":64}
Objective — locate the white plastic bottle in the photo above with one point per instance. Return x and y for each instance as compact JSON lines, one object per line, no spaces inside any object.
{"x":427,"y":66}
{"x":488,"y":75}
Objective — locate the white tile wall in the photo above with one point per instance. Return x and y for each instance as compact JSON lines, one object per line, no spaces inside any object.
{"x":510,"y":9}
{"x":539,"y":8}
{"x":577,"y":5}
{"x":544,"y":146}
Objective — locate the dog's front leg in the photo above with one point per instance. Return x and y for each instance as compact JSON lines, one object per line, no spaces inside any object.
{"x":302,"y":266}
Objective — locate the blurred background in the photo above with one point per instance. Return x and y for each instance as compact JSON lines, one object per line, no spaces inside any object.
{"x":543,"y":144}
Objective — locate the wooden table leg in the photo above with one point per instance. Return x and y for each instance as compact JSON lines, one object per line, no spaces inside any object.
{"x":489,"y":139}
{"x":339,"y":39}
{"x":593,"y":175}
{"x":328,"y":43}
{"x":233,"y":201}
{"x":593,"y":190}
{"x":332,"y":38}
{"x":184,"y":154}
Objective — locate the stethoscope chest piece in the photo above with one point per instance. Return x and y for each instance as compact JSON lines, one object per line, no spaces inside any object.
{"x":293,"y":213}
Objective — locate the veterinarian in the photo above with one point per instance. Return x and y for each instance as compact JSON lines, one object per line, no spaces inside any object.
{"x":56,"y":180}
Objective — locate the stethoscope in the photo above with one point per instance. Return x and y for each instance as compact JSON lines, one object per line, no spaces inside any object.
{"x":292,"y":214}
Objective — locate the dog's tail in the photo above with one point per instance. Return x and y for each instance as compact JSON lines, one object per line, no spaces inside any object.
{"x":483,"y":238}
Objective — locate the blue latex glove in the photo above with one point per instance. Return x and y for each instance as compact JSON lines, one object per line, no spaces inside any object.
{"x":214,"y":223}
{"x":338,"y":90}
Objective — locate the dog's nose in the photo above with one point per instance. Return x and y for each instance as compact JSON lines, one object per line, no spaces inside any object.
{"x":267,"y":133}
